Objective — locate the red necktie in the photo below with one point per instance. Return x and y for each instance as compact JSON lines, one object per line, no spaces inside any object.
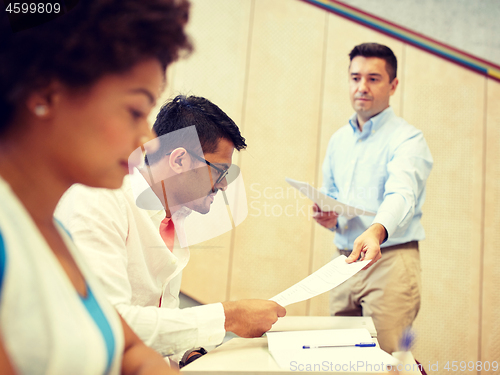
{"x":167,"y":232}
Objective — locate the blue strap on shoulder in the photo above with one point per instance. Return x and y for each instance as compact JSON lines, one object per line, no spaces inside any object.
{"x":97,"y":314}
{"x":102,"y":323}
{"x":3,"y":261}
{"x":63,"y":228}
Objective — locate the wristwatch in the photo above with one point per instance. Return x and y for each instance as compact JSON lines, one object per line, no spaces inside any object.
{"x":185,"y":361}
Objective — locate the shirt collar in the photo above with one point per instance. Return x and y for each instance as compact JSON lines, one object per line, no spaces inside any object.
{"x":374,"y":123}
{"x":180,"y":214}
{"x":145,"y":197}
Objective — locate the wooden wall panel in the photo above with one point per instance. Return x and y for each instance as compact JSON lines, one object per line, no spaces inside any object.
{"x":446,"y":102}
{"x":216,"y":70}
{"x":490,"y":334}
{"x":336,"y":110}
{"x":272,"y":246}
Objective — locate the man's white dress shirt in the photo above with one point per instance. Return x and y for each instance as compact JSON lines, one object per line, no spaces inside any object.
{"x":122,"y":244}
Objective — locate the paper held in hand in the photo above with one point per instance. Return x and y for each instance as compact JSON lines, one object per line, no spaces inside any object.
{"x":327,"y":203}
{"x":326,"y":278}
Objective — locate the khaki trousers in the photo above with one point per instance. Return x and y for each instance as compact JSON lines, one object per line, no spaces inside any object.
{"x":389,"y":292}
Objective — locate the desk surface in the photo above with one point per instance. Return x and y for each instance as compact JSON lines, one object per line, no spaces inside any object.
{"x":251,"y":356}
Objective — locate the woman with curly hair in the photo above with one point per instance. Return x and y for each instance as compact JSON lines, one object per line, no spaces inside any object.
{"x":75,"y":92}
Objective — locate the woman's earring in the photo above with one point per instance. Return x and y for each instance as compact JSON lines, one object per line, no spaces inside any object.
{"x":41,"y":110}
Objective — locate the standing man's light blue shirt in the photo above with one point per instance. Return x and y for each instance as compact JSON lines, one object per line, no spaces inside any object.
{"x":382,"y":169}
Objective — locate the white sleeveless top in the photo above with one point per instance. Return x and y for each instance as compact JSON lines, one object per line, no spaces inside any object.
{"x":45,"y":327}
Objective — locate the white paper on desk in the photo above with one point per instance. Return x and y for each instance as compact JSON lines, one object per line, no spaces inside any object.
{"x":295,"y":340}
{"x":286,"y":349}
{"x":327,"y":203}
{"x":326,"y":278}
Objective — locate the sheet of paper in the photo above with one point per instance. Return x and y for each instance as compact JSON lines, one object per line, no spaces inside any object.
{"x":327,"y":203}
{"x":326,"y":278}
{"x":286,"y":349}
{"x":295,"y":340}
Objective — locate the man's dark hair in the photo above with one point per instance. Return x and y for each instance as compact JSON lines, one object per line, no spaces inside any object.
{"x":380,"y":51}
{"x":95,"y":38}
{"x":212,"y":124}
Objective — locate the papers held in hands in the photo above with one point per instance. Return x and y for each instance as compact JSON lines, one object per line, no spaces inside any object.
{"x":326,"y":278}
{"x":327,"y":203}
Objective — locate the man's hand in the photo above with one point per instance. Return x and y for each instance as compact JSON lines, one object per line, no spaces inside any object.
{"x":328,"y":219}
{"x":368,"y":244}
{"x":251,"y":317}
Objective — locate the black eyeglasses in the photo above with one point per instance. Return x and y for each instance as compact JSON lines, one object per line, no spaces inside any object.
{"x":222,"y":172}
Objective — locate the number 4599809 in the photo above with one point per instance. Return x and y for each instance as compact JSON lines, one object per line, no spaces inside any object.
{"x":471,"y":366}
{"x":33,"y":8}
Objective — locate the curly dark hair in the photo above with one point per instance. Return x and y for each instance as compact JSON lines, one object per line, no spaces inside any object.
{"x":95,"y":38}
{"x":211,"y":123}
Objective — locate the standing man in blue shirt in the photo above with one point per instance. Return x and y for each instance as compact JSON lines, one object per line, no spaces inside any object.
{"x":380,"y":163}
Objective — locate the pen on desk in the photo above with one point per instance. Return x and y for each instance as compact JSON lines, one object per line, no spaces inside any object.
{"x":361,"y":345}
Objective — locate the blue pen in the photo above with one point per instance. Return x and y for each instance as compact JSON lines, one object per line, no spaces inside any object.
{"x":361,"y":345}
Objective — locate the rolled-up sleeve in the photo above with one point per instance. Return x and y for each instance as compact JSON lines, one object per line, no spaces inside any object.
{"x":173,"y":331}
{"x":408,"y":171}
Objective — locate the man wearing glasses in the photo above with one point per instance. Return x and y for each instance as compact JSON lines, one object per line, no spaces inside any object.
{"x":134,"y":240}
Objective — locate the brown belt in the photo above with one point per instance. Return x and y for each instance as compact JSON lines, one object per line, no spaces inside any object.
{"x":407,"y":245}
